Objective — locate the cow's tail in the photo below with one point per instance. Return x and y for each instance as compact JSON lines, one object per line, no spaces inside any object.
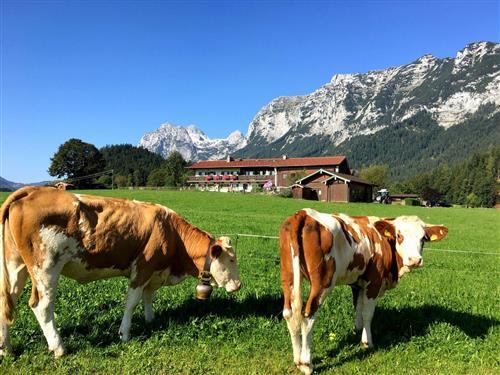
{"x":6,"y":301}
{"x":296,"y":249}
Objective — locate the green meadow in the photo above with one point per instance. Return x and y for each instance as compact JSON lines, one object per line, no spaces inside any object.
{"x":442,"y":318}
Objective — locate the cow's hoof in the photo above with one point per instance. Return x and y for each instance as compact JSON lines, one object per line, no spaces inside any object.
{"x":59,"y":352}
{"x":124,"y":337}
{"x":5,"y":352}
{"x":305,"y":368}
{"x":365,"y":345}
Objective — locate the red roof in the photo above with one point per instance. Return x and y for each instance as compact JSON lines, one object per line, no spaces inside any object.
{"x":271,"y":162}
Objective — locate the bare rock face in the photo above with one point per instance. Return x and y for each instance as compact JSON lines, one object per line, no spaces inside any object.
{"x":449,"y":90}
{"x":191,"y":142}
{"x":429,"y":92}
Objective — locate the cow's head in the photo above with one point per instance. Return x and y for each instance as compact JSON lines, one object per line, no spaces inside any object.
{"x":224,"y":268}
{"x":409,"y":233}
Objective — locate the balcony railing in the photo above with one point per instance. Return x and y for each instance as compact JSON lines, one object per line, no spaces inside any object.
{"x":230,"y":179}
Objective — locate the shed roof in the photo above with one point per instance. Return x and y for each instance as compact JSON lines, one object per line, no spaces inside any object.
{"x":350,"y":178}
{"x":334,"y":176}
{"x":270,"y":162}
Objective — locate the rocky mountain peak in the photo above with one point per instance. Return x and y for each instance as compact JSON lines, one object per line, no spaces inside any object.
{"x":430,"y":92}
{"x":191,"y":142}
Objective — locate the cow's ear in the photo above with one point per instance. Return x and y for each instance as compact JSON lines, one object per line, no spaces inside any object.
{"x":215,"y":251}
{"x":435,"y":232}
{"x":386,"y":229}
{"x":225,"y":241}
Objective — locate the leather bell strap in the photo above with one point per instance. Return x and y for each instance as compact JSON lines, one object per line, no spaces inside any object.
{"x":205,"y":275}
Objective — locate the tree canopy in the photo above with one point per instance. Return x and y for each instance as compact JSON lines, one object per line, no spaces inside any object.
{"x":472,"y":182}
{"x":137,"y":166}
{"x":75,"y":159}
{"x":133,"y":163}
{"x":171,"y":173}
{"x":376,"y":174}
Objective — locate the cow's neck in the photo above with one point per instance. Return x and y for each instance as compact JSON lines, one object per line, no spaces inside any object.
{"x":396,"y":263}
{"x":196,"y":244}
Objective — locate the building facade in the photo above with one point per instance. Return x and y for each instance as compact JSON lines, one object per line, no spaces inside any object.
{"x":324,"y":185}
{"x":247,"y":174}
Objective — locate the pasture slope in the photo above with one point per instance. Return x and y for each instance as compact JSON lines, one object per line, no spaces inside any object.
{"x":443,"y":318}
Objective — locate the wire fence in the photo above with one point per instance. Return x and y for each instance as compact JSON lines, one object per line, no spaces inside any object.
{"x":238,"y":235}
{"x":275,"y":260}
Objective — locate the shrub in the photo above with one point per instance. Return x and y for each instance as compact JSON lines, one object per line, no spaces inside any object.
{"x":473,"y":200}
{"x":286,"y":193}
{"x":257,"y":188}
{"x":411,"y":202}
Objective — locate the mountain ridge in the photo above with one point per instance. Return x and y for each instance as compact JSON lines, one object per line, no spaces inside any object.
{"x":425,"y":97}
{"x":190,"y":141}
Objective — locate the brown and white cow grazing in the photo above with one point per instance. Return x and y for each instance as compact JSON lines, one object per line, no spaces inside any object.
{"x":48,"y":232}
{"x":368,"y":253}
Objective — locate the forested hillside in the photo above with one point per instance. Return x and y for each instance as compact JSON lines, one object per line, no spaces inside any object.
{"x":133,"y":163}
{"x":472,"y":182}
{"x":419,"y":144}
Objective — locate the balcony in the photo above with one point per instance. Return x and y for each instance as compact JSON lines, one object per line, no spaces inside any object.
{"x":227,"y":179}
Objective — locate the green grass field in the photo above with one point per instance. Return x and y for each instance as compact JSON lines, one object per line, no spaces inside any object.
{"x":443,"y":318}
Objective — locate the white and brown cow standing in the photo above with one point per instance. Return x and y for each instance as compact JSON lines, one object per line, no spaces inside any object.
{"x":47,"y":232}
{"x":368,"y":253}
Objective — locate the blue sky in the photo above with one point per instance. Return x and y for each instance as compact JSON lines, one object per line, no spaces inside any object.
{"x":109,"y":71}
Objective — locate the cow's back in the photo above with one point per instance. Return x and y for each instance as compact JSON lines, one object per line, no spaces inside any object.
{"x":86,"y":233}
{"x":40,"y":208}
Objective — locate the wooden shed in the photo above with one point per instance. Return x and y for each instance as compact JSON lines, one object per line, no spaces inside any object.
{"x":328,"y":186}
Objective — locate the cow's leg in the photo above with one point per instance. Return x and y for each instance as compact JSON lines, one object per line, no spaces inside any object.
{"x":133,"y":298}
{"x":293,"y":321}
{"x":292,"y":309}
{"x":357,"y":299}
{"x":367,"y":311}
{"x":42,"y":301}
{"x":293,"y":317}
{"x":147,"y":297}
{"x":17,"y":274}
{"x":316,"y":298}
{"x":305,"y":364}
{"x":140,"y":277}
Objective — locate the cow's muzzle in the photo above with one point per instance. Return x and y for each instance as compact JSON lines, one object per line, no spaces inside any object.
{"x":415,"y":262}
{"x":233,"y":286}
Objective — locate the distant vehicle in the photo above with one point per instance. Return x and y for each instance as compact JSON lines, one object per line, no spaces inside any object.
{"x":383,"y":196}
{"x":431,"y":203}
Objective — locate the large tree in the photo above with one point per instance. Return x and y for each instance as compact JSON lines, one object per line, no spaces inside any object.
{"x":172,"y":173}
{"x":175,"y":167}
{"x":75,"y":159}
{"x":376,"y":174}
